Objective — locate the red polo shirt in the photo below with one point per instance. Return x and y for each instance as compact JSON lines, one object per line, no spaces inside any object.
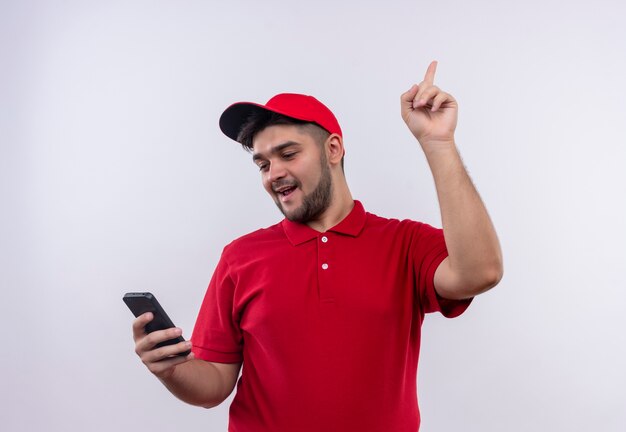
{"x":327,"y":324}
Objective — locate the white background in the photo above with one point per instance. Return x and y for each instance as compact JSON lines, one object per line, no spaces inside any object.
{"x":115,"y":178}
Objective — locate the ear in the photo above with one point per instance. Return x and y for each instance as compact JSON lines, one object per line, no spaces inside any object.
{"x":334,"y":149}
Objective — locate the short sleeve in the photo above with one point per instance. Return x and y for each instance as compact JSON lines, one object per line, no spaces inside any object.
{"x":428,"y":251}
{"x":216,"y":336}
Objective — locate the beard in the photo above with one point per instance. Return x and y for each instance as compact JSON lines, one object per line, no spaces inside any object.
{"x":315,"y":203}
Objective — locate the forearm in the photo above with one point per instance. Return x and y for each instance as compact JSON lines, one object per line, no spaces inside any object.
{"x":199,"y":383}
{"x":474,"y":251}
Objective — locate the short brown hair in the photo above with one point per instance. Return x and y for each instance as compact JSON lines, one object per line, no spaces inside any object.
{"x":264,"y":119}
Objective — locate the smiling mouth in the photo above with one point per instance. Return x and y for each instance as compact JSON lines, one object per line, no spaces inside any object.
{"x":284,"y":192}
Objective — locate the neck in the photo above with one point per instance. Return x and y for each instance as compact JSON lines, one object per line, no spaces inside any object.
{"x":340,"y":206}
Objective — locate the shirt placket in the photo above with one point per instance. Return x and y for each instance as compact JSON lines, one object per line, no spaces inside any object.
{"x":325,"y":267}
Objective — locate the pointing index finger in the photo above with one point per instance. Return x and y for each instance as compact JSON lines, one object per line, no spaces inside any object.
{"x":430,"y":72}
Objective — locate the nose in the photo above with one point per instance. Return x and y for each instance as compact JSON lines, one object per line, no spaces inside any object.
{"x":276,"y":171}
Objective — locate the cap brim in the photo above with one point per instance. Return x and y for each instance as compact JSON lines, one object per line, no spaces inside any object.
{"x":235,"y":115}
{"x":238,"y":113}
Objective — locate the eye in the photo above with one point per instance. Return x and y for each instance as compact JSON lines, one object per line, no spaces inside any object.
{"x":263,"y":166}
{"x":289,"y":155}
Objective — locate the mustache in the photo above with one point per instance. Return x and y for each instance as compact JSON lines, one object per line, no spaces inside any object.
{"x":282,"y":183}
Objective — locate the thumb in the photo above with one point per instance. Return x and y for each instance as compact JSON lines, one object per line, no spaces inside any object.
{"x":406,"y":100}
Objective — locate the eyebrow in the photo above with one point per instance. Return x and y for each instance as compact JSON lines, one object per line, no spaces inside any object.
{"x":275,"y":149}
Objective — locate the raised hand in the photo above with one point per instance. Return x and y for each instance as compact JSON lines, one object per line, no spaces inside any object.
{"x":430,"y":113}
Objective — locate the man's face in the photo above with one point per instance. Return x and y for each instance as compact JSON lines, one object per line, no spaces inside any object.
{"x":294,"y":170}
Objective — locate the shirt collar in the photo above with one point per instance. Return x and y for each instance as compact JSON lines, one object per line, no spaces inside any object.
{"x":351,"y":225}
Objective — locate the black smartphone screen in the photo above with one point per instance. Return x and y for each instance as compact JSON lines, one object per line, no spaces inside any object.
{"x":142,"y":302}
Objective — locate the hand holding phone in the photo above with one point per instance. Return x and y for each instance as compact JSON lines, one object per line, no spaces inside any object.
{"x":158,"y":342}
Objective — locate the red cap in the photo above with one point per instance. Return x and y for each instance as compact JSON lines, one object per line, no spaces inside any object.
{"x":297,"y":106}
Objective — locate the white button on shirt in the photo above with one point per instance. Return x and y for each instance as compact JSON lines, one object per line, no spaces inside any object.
{"x":324,"y":239}
{"x":324,"y":266}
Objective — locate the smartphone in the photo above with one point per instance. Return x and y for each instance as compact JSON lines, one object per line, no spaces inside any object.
{"x":142,"y":302}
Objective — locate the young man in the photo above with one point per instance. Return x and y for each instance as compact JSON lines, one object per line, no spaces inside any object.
{"x":324,"y":309}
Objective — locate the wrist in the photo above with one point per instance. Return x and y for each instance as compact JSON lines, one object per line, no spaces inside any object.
{"x":435,"y":148}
